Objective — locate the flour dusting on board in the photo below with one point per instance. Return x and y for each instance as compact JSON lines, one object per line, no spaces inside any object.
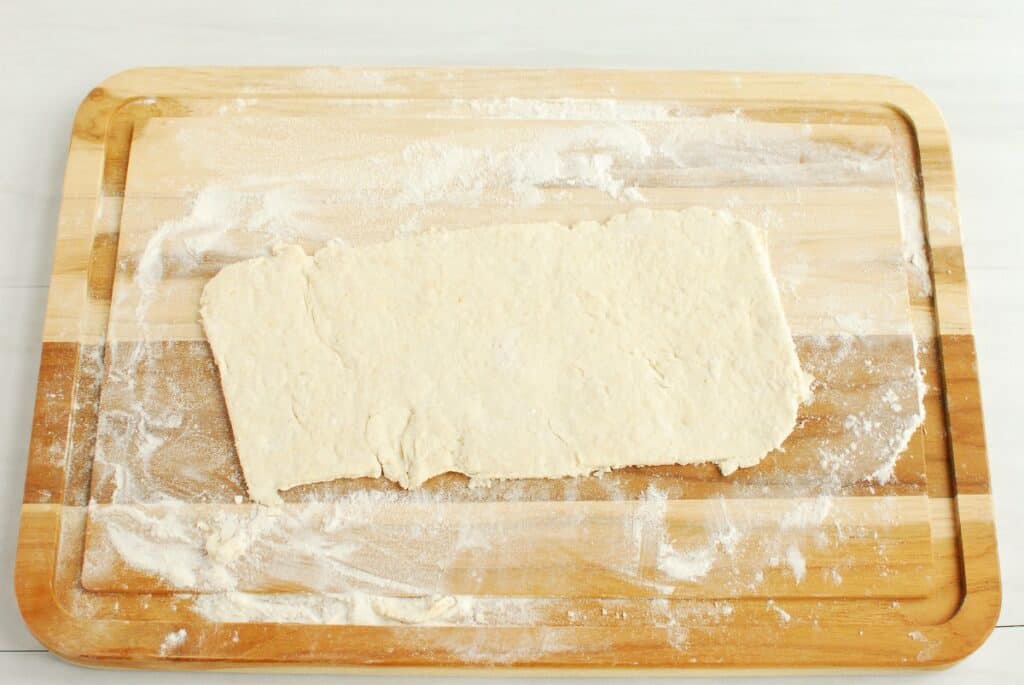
{"x":370,"y":554}
{"x":597,"y":109}
{"x":583,"y":157}
{"x":173,"y":641}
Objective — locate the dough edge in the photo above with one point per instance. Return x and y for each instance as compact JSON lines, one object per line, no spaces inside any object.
{"x":727,"y":466}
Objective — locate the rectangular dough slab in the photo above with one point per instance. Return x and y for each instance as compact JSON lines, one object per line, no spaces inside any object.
{"x":526,"y":351}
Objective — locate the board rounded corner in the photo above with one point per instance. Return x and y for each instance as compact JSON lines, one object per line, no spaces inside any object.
{"x":38,"y":604}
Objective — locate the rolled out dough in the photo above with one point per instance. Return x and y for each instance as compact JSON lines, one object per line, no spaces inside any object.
{"x":524,"y":351}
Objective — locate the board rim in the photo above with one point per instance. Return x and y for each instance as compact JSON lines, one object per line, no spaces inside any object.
{"x":965,"y":630}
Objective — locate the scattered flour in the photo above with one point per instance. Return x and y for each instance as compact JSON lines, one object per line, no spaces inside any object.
{"x":328,"y":81}
{"x":216,"y":553}
{"x":931,"y":646}
{"x":351,"y":608}
{"x":686,"y":566}
{"x":583,"y":157}
{"x":413,"y":611}
{"x":599,"y":109}
{"x":879,"y":424}
{"x":172,"y":641}
{"x":214,"y":212}
{"x":915,"y":251}
{"x":797,"y":564}
{"x":692,"y":563}
{"x":783,"y":614}
{"x":678,"y":617}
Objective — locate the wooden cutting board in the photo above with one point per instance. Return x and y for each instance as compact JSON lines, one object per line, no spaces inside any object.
{"x":138,"y":546}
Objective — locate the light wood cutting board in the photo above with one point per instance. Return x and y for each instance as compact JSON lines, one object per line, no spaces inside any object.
{"x":827,"y":555}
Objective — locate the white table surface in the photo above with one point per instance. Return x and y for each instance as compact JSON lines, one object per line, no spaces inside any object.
{"x":965,"y":55}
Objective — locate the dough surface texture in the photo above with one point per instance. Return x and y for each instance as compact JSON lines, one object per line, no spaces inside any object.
{"x":520,"y":351}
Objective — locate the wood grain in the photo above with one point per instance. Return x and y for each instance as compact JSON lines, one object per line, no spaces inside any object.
{"x":935,"y":600}
{"x":541,"y":554}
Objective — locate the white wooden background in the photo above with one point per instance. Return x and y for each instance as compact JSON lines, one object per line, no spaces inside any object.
{"x":966,"y":55}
